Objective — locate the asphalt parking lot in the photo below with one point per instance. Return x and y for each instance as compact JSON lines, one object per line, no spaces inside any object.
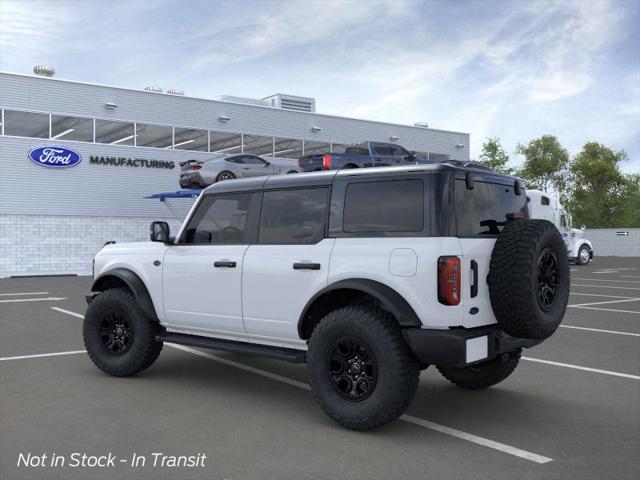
{"x":571,"y":409}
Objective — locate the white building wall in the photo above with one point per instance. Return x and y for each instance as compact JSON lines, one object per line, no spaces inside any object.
{"x":608,"y":242}
{"x":57,"y":245}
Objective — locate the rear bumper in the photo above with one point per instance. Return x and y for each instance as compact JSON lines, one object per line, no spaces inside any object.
{"x":460,"y":347}
{"x":193,"y":179}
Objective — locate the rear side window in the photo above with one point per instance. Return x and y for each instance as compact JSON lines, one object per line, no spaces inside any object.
{"x":219,"y":219}
{"x":385,"y":206}
{"x":483,"y":210}
{"x":295,"y":216}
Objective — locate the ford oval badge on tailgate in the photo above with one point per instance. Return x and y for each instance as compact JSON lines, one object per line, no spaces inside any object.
{"x":55,"y":157}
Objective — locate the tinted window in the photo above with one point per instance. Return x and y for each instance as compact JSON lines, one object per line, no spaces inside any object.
{"x":71,"y":128}
{"x":293,"y":216}
{"x":389,"y":206}
{"x":484,"y":209}
{"x":356,"y":151}
{"x":115,"y":133}
{"x":219,"y":219}
{"x":26,"y":124}
{"x":157,"y":136}
{"x":253,"y":160}
{"x":544,"y":200}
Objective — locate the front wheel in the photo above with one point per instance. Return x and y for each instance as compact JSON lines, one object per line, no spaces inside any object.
{"x":119,"y":338}
{"x":583,"y":255}
{"x":361,"y":371}
{"x":482,"y":375}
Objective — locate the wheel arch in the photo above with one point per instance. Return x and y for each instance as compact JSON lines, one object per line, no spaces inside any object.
{"x":123,"y":277}
{"x":348,"y":291}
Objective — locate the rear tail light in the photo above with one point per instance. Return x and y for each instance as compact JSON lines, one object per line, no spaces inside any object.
{"x":299,"y":162}
{"x":326,"y":162}
{"x":196,"y":167}
{"x":449,"y":280}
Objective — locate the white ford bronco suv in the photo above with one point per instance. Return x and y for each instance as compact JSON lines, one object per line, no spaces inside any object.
{"x":367,"y":275}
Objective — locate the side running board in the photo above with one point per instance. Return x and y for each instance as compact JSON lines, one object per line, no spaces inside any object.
{"x":279,"y":353}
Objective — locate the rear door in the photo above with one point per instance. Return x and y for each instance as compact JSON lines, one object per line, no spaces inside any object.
{"x":289,"y":263}
{"x":480,"y":216}
{"x":202,"y":273}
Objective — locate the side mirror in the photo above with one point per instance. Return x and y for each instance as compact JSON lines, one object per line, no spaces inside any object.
{"x":159,"y":232}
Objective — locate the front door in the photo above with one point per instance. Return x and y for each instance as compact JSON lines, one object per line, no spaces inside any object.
{"x":202,"y":272}
{"x":289,"y":263}
{"x":253,"y":166}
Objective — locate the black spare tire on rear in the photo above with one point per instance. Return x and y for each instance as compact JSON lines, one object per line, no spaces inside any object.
{"x":529,"y":278}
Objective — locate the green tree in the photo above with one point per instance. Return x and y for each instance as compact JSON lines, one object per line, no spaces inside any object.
{"x":545,"y":164}
{"x":494,"y":156}
{"x":630,"y":216}
{"x":600,"y":195}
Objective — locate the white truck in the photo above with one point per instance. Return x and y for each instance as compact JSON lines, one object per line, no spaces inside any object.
{"x":543,"y":206}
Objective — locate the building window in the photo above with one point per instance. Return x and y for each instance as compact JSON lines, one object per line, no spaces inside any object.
{"x":258,"y":145}
{"x":191,"y":139}
{"x":225,"y":143}
{"x":26,"y":124}
{"x":114,"y":133}
{"x":157,"y":136}
{"x":316,"y":148}
{"x":293,"y":216}
{"x":400,"y":207}
{"x":71,"y":128}
{"x":287,"y":148}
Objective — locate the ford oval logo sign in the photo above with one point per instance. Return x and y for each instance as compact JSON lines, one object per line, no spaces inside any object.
{"x":55,"y":157}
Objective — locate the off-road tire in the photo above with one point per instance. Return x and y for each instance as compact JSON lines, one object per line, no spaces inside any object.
{"x":143,"y":349}
{"x":514,"y":279}
{"x":482,"y":375}
{"x":397,"y":368}
{"x":579,"y":257}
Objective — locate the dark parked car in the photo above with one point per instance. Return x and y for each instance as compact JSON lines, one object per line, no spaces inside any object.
{"x":366,"y":154}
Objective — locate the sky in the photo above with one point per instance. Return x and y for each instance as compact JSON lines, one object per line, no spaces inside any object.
{"x":509,"y":69}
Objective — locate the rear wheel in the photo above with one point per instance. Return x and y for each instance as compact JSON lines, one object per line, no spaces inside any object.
{"x":225,"y":175}
{"x":482,"y":375}
{"x":119,"y":338}
{"x":361,"y":371}
{"x":583,"y":255}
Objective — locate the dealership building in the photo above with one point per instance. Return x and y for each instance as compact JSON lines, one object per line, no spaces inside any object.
{"x":77,"y":159}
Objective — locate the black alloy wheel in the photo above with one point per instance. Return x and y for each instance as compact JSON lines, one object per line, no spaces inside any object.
{"x":116,"y":332}
{"x":547,"y":279}
{"x":353,"y":369}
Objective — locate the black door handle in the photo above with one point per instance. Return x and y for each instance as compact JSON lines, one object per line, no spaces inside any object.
{"x":474,"y":287}
{"x":224,"y":264}
{"x":306,"y":266}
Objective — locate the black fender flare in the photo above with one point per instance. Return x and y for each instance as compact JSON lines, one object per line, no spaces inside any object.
{"x":391,"y":300}
{"x":135,"y":284}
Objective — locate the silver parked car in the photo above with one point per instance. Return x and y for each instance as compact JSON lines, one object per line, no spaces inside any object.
{"x":197,"y":173}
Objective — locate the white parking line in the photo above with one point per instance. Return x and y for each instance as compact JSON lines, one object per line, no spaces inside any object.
{"x":579,"y":367}
{"x":407,"y":418}
{"x":632,"y":299}
{"x":600,"y":330}
{"x":605,"y":286}
{"x":606,"y":280}
{"x":629,"y":276}
{"x":534,"y":457}
{"x":608,"y":310}
{"x":597,"y":295}
{"x":23,"y":293}
{"x":40,"y":355}
{"x":48,"y":299}
{"x":62,"y":310}
{"x":607,"y":271}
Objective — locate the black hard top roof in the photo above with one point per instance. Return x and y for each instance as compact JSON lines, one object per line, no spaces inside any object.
{"x":326,"y":178}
